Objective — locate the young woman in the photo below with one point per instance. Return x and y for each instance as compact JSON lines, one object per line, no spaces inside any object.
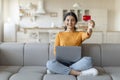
{"x":71,"y":37}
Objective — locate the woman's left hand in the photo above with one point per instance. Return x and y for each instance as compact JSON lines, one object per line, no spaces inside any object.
{"x":91,"y":24}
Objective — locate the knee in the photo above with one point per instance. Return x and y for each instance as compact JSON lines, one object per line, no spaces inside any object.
{"x":87,"y":58}
{"x":50,"y":63}
{"x":88,"y":61}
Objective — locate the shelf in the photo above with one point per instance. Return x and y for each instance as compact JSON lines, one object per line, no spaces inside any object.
{"x":40,"y":29}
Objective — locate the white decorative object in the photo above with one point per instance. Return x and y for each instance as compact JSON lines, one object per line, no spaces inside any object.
{"x":34,"y":35}
{"x":9,"y":31}
{"x":29,"y":6}
{"x":40,"y":9}
{"x":76,"y":5}
{"x":52,"y":25}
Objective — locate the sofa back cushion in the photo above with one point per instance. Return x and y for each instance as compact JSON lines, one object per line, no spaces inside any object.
{"x":110,"y":54}
{"x":35,"y":54}
{"x":11,"y":54}
{"x":94,"y":51}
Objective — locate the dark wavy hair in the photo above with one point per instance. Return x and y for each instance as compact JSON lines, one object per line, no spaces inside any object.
{"x":70,"y":14}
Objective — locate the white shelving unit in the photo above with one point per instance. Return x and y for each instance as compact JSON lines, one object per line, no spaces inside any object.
{"x":48,"y":36}
{"x":28,"y":12}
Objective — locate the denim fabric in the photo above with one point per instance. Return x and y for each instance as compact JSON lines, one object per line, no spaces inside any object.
{"x":83,"y":64}
{"x":62,"y":67}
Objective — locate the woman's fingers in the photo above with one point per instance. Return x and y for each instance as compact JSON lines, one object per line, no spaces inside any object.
{"x":91,"y":24}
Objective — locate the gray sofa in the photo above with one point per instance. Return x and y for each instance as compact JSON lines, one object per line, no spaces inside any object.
{"x":27,"y":61}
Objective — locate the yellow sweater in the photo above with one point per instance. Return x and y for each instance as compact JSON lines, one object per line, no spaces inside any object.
{"x":70,"y":39}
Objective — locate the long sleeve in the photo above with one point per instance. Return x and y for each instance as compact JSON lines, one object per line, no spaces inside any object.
{"x":85,"y":36}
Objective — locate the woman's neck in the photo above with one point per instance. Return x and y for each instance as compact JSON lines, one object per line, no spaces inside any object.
{"x":70,"y":30}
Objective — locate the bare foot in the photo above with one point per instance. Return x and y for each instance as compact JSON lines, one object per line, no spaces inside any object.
{"x":74,"y":72}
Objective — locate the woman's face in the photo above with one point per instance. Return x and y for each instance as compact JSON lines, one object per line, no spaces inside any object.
{"x":70,"y":22}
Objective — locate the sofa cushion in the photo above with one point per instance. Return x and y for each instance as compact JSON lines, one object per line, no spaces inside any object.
{"x":12,"y":69}
{"x":26,"y":76}
{"x":58,"y":77}
{"x":11,"y":54}
{"x":110,"y":54}
{"x":94,"y":51}
{"x":35,"y":54}
{"x":101,"y":76}
{"x":51,"y":51}
{"x":38,"y":69}
{"x":4,"y":75}
{"x":114,"y":72}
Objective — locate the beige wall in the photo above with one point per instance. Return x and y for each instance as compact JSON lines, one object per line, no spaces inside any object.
{"x":117,"y":15}
{"x":11,"y":10}
{"x":0,"y":20}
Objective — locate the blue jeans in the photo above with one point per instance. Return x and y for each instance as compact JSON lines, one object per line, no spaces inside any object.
{"x":65,"y":67}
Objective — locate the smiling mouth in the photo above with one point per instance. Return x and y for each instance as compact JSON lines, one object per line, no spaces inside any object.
{"x":69,"y":24}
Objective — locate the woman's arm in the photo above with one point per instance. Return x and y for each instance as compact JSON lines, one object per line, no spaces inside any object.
{"x":88,"y":33}
{"x":57,"y":43}
{"x":91,"y":25}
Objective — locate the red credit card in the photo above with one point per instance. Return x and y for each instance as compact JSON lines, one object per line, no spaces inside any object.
{"x":86,"y":17}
